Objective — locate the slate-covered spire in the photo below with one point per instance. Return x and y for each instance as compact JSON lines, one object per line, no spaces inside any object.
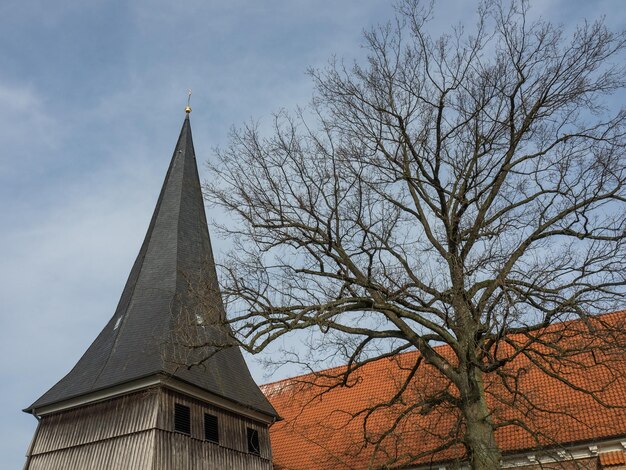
{"x":171,"y":299}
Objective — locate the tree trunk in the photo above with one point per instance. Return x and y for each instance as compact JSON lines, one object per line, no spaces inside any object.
{"x":483,"y":451}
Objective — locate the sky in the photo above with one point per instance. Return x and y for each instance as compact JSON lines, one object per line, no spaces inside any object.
{"x":92,"y":97}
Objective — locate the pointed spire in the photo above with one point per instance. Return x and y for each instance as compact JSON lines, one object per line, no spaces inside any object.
{"x":170,"y":300}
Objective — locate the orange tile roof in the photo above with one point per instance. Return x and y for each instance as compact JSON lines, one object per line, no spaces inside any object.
{"x":609,"y":459}
{"x":324,"y":427}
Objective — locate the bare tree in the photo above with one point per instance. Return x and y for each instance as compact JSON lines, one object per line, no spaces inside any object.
{"x":461,"y":190}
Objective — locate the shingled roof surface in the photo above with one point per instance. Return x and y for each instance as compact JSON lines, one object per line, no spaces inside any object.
{"x":324,"y":427}
{"x":171,"y":298}
{"x":613,"y":459}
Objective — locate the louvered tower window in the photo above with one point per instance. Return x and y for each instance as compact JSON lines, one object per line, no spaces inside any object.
{"x":182,"y":419}
{"x":211,"y":431}
{"x":253,"y":441}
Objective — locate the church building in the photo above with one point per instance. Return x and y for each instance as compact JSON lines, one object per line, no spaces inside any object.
{"x":132,"y":401}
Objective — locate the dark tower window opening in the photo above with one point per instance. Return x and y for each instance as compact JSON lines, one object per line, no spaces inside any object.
{"x":211,"y":430}
{"x":182,"y":419}
{"x":253,"y":441}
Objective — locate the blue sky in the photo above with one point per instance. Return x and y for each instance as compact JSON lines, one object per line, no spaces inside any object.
{"x":92,"y":97}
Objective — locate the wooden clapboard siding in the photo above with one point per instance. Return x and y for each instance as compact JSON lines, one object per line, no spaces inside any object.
{"x":136,"y":431}
{"x":232,"y":427}
{"x":177,"y":451}
{"x":131,"y":451}
{"x":112,"y":418}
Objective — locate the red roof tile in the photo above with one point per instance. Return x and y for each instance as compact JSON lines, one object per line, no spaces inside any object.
{"x":327,"y":430}
{"x":608,"y":459}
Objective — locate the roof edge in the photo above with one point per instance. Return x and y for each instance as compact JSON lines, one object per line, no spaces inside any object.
{"x":182,"y":386}
{"x":171,"y":382}
{"x":94,"y":396}
{"x":271,"y":386}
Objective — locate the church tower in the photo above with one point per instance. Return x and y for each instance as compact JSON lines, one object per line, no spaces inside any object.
{"x":161,"y":387}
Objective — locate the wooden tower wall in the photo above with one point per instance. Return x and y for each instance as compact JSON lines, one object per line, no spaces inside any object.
{"x":137,"y":431}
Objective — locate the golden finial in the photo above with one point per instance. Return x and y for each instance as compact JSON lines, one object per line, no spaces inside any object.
{"x":188,"y":108}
